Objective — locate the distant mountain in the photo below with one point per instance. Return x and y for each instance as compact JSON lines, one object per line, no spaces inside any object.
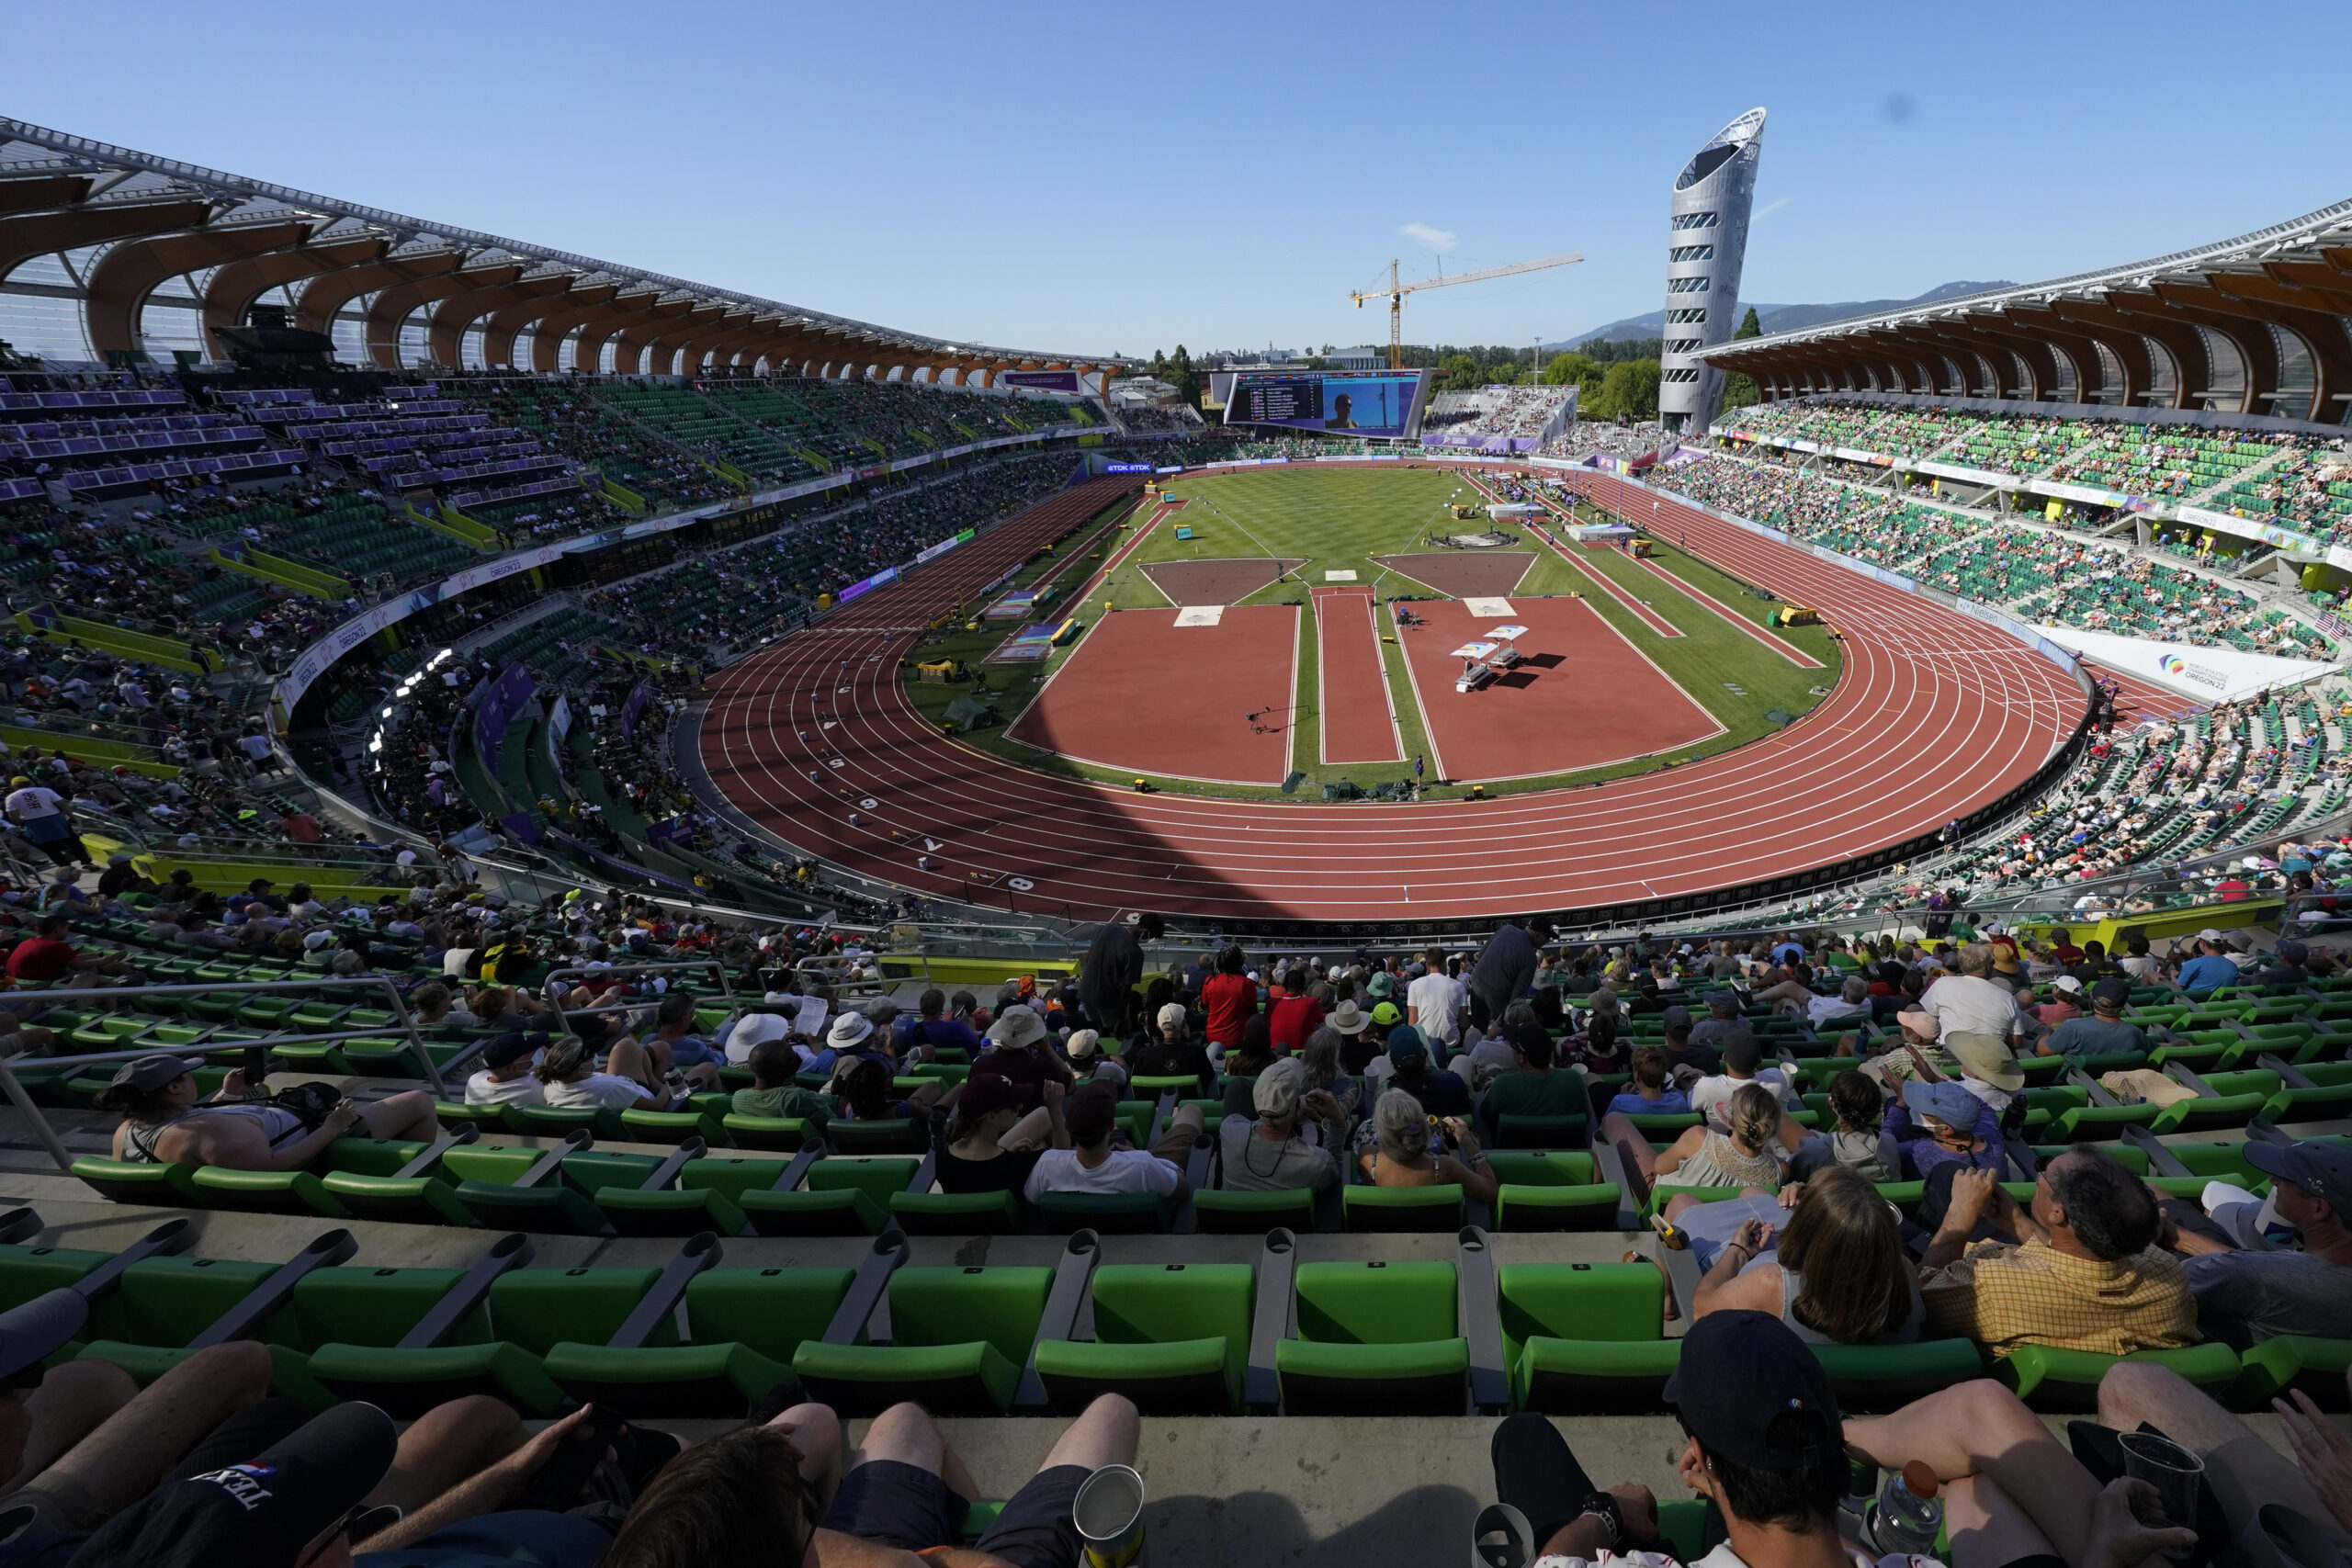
{"x":1776,"y":318}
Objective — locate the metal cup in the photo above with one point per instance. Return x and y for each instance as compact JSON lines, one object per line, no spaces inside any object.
{"x":2174,"y":1471}
{"x":1108,"y":1511}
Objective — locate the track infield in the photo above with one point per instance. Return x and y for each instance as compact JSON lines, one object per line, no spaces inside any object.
{"x":1585,"y":698}
{"x":1356,"y":723}
{"x":1128,"y":697}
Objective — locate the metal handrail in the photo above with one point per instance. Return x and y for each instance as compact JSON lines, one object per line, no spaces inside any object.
{"x":406,"y":1025}
{"x":555,"y":1002}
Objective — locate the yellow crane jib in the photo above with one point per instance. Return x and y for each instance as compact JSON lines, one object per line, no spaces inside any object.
{"x":1397,"y":291}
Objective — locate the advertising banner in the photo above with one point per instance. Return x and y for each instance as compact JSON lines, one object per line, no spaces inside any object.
{"x":638,"y":696}
{"x":1041,"y":381}
{"x":2207,"y":675}
{"x":2259,"y":528}
{"x":888,"y":574}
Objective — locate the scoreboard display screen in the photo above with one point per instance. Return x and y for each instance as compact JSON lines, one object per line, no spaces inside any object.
{"x":1353,"y":402}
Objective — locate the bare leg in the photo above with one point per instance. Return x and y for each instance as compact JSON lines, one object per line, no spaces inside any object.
{"x":2133,"y":1392}
{"x":445,"y":1446}
{"x":1987,"y":1529}
{"x":1032,"y":1132}
{"x":133,"y":1448}
{"x":906,"y":1433}
{"x":816,"y":1435}
{"x":1106,"y":1432}
{"x":72,"y":1401}
{"x":408,"y":1115}
{"x":1981,"y":1428}
{"x":629,"y":1059}
{"x":1617,"y":1128}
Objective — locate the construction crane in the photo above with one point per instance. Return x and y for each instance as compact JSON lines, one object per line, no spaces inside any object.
{"x":1397,"y":292}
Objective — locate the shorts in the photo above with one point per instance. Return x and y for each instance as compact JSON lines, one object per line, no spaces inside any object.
{"x":909,"y":1507}
{"x":57,"y":1500}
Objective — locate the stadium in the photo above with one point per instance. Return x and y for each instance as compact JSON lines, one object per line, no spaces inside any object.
{"x":639,"y":869}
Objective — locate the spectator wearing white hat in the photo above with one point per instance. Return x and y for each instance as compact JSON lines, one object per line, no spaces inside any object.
{"x":1174,"y":1054}
{"x":1093,"y":1057}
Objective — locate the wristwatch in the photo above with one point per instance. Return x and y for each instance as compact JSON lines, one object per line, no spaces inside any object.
{"x":1604,"y":1507}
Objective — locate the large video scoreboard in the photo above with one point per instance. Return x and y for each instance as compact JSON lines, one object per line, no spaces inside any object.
{"x":1343,"y":402}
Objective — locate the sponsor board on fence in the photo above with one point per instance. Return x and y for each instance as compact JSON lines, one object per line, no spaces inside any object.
{"x":2206,"y":674}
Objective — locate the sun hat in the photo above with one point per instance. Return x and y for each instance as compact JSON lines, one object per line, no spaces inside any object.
{"x":848,"y":1028}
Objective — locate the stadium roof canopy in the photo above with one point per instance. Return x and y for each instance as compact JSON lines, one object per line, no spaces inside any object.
{"x":2253,"y":325}
{"x":122,"y":229}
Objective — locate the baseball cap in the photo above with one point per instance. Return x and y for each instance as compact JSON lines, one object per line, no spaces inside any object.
{"x":147,"y":1074}
{"x":1948,"y":1103}
{"x":1082,"y":1044}
{"x":1742,"y":1053}
{"x":1405,"y":1042}
{"x":1675,"y":1019}
{"x":985,"y":1092}
{"x":1171,"y":1016}
{"x":2323,"y":1171}
{"x":2208,"y":934}
{"x":1089,"y":1112}
{"x":1748,"y":1389}
{"x":505,"y":1050}
{"x":2114,"y":989}
{"x":260,"y":1515}
{"x":2293,"y":952}
{"x":1387,"y":1014}
{"x":2068,"y":983}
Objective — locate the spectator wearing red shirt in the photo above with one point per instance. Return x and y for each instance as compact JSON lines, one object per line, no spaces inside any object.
{"x":47,"y":956}
{"x":1227,"y":998}
{"x":2062,"y":948}
{"x":1295,"y":1015}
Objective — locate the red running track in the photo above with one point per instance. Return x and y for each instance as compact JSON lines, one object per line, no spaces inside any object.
{"x":1353,"y":713}
{"x":1934,"y":714}
{"x":1586,"y":697}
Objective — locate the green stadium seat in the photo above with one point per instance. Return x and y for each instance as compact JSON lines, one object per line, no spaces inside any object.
{"x":2271,"y":1367}
{"x":1581,"y":1337}
{"x":785,"y":1134}
{"x":1108,"y":1213}
{"x":1174,"y":1337}
{"x":745,"y":1326}
{"x":843,"y":1196}
{"x":1551,"y":1192}
{"x":1877,"y":1378}
{"x":1516,"y":1131}
{"x":122,"y":1182}
{"x":1374,"y":1339}
{"x":531,"y":1311}
{"x":2067,"y":1380}
{"x":959,"y":1341}
{"x":1220,"y":1213}
{"x":1390,"y":1209}
{"x":955,"y":1213}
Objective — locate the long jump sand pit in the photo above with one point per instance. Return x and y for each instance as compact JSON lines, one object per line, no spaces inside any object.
{"x":1221,"y":582}
{"x":1465,"y":574}
{"x":1145,"y":696}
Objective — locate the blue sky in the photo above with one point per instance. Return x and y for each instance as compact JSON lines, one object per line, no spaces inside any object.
{"x":1117,"y":178}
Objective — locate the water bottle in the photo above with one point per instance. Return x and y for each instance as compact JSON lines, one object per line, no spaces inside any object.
{"x":1908,"y":1516}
